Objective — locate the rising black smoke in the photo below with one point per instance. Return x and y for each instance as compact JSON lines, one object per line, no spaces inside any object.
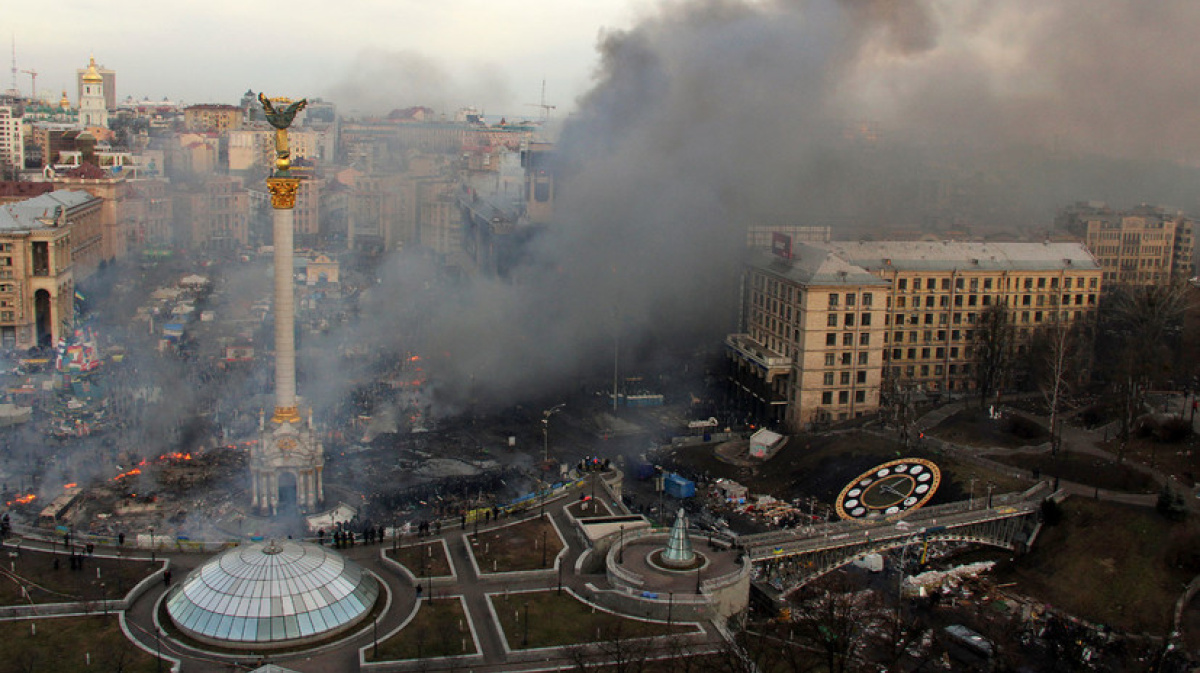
{"x":870,"y":116}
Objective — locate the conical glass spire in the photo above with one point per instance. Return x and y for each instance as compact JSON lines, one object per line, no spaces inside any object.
{"x":678,"y":553}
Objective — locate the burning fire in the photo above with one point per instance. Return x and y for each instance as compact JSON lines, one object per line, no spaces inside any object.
{"x":175,"y":456}
{"x":134,"y":471}
{"x":22,"y":500}
{"x":70,"y":485}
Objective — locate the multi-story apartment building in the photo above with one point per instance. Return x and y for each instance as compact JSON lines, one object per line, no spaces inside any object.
{"x":210,"y":117}
{"x":938,"y":289}
{"x":149,"y":215}
{"x":214,"y":215}
{"x":824,"y":328}
{"x":1146,"y":245}
{"x":37,"y":286}
{"x":12,"y":143}
{"x":812,"y":346}
{"x":110,"y":236}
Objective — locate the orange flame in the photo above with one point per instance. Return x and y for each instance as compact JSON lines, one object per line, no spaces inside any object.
{"x":22,"y":500}
{"x":70,"y":485}
{"x":134,"y":471}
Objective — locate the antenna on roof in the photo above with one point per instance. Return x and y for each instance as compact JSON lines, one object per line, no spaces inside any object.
{"x":545,"y":108}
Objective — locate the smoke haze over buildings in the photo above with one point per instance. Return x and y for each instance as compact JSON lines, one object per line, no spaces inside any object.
{"x":865,"y":115}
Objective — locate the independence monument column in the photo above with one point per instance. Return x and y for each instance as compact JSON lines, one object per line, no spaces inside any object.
{"x":287,"y":462}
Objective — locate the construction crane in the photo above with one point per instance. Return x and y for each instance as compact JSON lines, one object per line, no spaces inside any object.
{"x":545,"y":108}
{"x":32,"y":83}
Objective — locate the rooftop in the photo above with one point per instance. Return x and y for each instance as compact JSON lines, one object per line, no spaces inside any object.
{"x":812,"y":265}
{"x":963,"y":255}
{"x":33,"y":213}
{"x":272,"y":593}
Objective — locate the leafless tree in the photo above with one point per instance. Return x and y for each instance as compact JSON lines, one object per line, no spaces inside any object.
{"x":993,"y":350}
{"x":1138,"y":328}
{"x":1058,"y":364}
{"x":834,"y":621}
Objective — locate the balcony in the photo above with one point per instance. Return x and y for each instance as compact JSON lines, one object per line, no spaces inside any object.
{"x":769,"y":363}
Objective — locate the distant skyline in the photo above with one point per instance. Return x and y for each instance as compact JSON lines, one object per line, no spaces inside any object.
{"x":368,"y":56}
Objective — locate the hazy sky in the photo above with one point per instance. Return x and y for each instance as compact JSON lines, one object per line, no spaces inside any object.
{"x":445,"y":54}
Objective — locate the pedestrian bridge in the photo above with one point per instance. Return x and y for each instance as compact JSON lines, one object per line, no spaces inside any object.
{"x":795,"y":557}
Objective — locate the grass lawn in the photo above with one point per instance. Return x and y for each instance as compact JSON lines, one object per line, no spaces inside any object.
{"x":62,"y":645}
{"x":34,"y":570}
{"x":516,"y":547}
{"x":1108,"y":563}
{"x":1181,"y":459}
{"x":972,"y":427}
{"x":1084,"y":469}
{"x":555,"y":620}
{"x":439,"y":629}
{"x":821,"y":465}
{"x":422,"y":560}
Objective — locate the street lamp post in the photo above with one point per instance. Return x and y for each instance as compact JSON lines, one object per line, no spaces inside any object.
{"x":543,"y":548}
{"x":546,"y":430}
{"x":621,"y":546}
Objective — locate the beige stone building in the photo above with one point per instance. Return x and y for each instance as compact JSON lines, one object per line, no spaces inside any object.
{"x":812,"y":346}
{"x":938,"y":289}
{"x":213,"y":215}
{"x":824,"y":329}
{"x":103,"y":236}
{"x":1146,"y":245}
{"x":212,"y":117}
{"x":37,"y":286}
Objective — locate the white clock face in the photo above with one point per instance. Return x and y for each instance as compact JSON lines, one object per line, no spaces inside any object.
{"x":889,"y":490}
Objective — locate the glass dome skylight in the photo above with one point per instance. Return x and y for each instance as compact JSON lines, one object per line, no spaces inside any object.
{"x":272,"y":594}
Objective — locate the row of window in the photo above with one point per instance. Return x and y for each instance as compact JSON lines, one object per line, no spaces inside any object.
{"x":986,"y":300}
{"x":844,"y":377}
{"x":864,"y":339}
{"x":898,"y":353}
{"x":832,"y":359}
{"x":851,"y":299}
{"x":843,"y":397}
{"x":910,"y":371}
{"x":848,"y":320}
{"x":974,"y":284}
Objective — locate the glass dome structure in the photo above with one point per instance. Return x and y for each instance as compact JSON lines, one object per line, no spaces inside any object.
{"x":272,"y":594}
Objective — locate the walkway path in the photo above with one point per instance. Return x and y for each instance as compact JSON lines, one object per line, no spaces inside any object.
{"x":1074,"y":439}
{"x":471,"y":585}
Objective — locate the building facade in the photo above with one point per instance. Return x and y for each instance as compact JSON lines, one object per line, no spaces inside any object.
{"x":93,"y":109}
{"x":214,"y":215}
{"x":811,"y":349}
{"x":825,"y":328}
{"x":37,"y":286}
{"x":939,"y":290}
{"x":1146,"y":245}
{"x":108,"y":83}
{"x":12,"y":142}
{"x":211,"y":117}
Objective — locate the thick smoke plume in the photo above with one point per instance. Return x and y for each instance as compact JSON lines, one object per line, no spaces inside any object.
{"x":870,"y":116}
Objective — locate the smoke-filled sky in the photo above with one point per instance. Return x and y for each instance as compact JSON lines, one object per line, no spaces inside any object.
{"x":710,"y":115}
{"x":366,"y":53}
{"x":693,"y":118}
